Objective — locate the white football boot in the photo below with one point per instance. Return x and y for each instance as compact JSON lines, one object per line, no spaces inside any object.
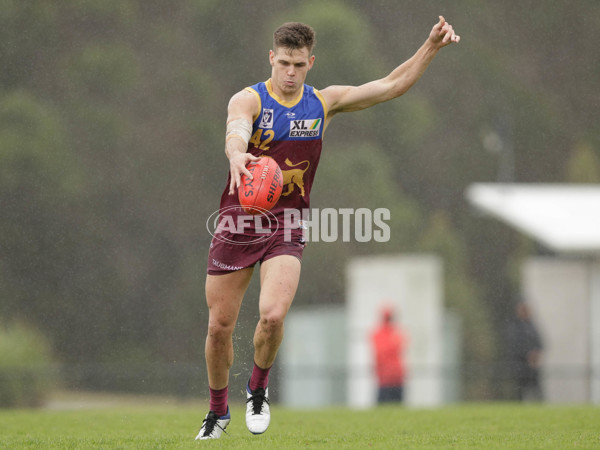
{"x":213,"y":426}
{"x":258,"y":414}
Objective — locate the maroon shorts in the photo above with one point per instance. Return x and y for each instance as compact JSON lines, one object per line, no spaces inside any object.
{"x":226,"y":257}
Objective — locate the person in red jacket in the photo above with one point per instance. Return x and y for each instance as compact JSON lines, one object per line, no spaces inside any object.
{"x":389,"y":344}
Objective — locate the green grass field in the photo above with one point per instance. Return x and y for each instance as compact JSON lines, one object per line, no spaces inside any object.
{"x":169,"y":424}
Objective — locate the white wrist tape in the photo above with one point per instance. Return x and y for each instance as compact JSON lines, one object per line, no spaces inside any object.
{"x":241,"y":128}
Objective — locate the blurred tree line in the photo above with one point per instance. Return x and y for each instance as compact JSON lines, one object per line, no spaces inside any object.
{"x":111,"y":155}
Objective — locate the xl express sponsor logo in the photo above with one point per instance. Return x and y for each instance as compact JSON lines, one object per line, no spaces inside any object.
{"x":305,"y":128}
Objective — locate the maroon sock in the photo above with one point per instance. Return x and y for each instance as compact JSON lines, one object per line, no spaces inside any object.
{"x":259,"y":378}
{"x":218,"y":401}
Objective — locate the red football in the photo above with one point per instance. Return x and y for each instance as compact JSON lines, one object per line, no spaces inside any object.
{"x":264,"y":189}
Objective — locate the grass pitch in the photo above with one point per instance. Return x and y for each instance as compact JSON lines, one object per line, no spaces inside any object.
{"x":169,"y":425}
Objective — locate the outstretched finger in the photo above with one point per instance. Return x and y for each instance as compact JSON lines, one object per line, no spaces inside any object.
{"x":437,"y":28}
{"x":246,"y":172}
{"x":234,"y":183}
{"x":441,"y":23}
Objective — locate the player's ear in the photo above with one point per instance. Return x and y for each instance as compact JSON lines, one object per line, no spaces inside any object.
{"x":311,"y":61}
{"x":271,"y":57}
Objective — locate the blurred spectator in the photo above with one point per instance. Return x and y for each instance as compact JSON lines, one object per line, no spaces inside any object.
{"x":525,"y":347}
{"x":389,"y":343}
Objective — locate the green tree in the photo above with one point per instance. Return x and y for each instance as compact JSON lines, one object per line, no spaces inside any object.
{"x":39,"y":181}
{"x":463,"y":296}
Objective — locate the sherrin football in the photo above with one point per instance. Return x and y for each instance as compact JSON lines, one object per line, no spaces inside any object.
{"x":264,"y":189}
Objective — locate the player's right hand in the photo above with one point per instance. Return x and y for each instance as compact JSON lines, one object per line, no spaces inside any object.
{"x":237,"y":167}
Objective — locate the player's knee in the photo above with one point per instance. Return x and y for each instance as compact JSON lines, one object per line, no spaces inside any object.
{"x":220,"y":329}
{"x":273,"y":320}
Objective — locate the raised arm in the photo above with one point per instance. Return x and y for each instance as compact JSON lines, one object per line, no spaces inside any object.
{"x":400,"y":80}
{"x":240,"y":112}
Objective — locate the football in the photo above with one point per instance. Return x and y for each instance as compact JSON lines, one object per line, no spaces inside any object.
{"x":260,"y":193}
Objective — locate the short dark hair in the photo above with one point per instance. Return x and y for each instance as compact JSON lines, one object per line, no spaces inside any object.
{"x":294,"y":36}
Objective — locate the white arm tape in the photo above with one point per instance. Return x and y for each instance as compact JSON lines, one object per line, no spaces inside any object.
{"x":241,"y":128}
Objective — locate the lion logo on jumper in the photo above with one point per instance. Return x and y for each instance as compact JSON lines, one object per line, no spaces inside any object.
{"x":294,"y":177}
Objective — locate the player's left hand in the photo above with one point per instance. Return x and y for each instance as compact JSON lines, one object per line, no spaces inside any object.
{"x":443,"y":34}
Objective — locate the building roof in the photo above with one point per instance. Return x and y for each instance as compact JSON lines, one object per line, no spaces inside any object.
{"x":563,"y":217}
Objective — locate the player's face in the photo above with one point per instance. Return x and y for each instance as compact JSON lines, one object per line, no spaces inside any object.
{"x":289,"y":69}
